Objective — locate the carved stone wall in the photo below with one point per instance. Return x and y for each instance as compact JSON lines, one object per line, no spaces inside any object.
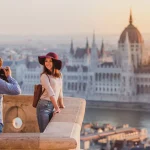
{"x":62,"y":132}
{"x":19,"y":106}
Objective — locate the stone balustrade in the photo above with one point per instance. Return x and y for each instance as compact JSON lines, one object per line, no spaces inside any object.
{"x":62,"y":133}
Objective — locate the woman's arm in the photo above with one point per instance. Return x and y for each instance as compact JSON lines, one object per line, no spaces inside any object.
{"x":57,"y":110}
{"x":60,"y":98}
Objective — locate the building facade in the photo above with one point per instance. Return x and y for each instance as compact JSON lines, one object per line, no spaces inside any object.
{"x":127,"y":78}
{"x":89,"y":74}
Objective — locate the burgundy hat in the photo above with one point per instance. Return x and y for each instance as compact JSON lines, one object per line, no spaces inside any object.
{"x":53,"y":56}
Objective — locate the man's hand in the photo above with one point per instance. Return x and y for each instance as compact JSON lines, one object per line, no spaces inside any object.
{"x":7,"y":71}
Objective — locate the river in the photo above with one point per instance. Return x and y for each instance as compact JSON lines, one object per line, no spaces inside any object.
{"x":118,"y":117}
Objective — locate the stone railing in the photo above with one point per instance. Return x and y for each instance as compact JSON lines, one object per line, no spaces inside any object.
{"x":21,"y":129}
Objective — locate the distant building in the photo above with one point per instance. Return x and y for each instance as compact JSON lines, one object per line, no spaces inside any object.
{"x":31,"y":76}
{"x":91,"y":75}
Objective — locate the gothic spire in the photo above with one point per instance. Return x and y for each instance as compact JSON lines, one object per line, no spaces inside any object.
{"x":102,"y":49}
{"x":130,"y":18}
{"x":93,"y":44}
{"x":87,"y":48}
{"x":71,"y":48}
{"x":87,"y":43}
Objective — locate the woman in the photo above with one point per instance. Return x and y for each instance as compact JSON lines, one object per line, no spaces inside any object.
{"x":51,"y":80}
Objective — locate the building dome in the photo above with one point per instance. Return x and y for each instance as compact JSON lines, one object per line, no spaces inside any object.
{"x":133,"y":33}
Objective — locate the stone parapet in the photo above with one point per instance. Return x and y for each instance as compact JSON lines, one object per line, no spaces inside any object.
{"x":62,"y":133}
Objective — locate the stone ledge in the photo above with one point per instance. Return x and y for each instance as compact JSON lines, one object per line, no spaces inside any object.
{"x":62,"y":133}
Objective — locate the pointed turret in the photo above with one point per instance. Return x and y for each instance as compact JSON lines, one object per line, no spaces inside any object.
{"x":87,"y":43}
{"x":94,"y":54}
{"x":130,"y":18}
{"x":93,"y":43}
{"x":127,"y":82}
{"x":87,"y":48}
{"x":71,"y":48}
{"x":102,"y":49}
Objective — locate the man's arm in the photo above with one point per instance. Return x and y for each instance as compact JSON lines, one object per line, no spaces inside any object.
{"x":11,"y":87}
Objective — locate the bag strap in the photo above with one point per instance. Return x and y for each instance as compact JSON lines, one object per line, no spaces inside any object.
{"x":44,"y":88}
{"x":42,"y":92}
{"x":48,"y":78}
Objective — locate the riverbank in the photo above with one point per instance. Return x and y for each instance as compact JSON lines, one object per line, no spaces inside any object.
{"x":132,"y":106}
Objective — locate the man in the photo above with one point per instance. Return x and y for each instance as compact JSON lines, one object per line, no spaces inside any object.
{"x":10,"y":87}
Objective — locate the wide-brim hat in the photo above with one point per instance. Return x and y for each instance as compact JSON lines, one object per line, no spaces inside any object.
{"x":54,"y":57}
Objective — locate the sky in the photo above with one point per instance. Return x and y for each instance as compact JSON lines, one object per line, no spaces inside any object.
{"x":66,"y":17}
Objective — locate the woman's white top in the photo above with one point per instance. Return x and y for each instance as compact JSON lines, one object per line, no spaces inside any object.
{"x":52,"y":88}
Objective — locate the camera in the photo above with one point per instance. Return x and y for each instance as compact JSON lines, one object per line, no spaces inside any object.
{"x":2,"y":74}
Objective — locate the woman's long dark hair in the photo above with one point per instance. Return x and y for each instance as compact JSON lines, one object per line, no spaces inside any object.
{"x":55,"y":72}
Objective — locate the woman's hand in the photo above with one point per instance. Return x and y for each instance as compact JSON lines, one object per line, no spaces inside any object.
{"x":61,"y":103}
{"x":57,"y":111}
{"x":62,"y":106}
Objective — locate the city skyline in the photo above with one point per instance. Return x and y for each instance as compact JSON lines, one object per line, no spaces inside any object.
{"x":49,"y":17}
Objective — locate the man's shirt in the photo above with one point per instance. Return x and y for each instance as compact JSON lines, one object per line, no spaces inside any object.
{"x":1,"y":108}
{"x":11,"y":87}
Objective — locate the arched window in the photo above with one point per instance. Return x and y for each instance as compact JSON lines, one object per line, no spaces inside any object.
{"x":96,"y":76}
{"x":79,"y":86}
{"x":84,"y":86}
{"x":72,"y":86}
{"x":68,"y":86}
{"x":99,"y":76}
{"x":132,"y":58}
{"x":103,"y":75}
